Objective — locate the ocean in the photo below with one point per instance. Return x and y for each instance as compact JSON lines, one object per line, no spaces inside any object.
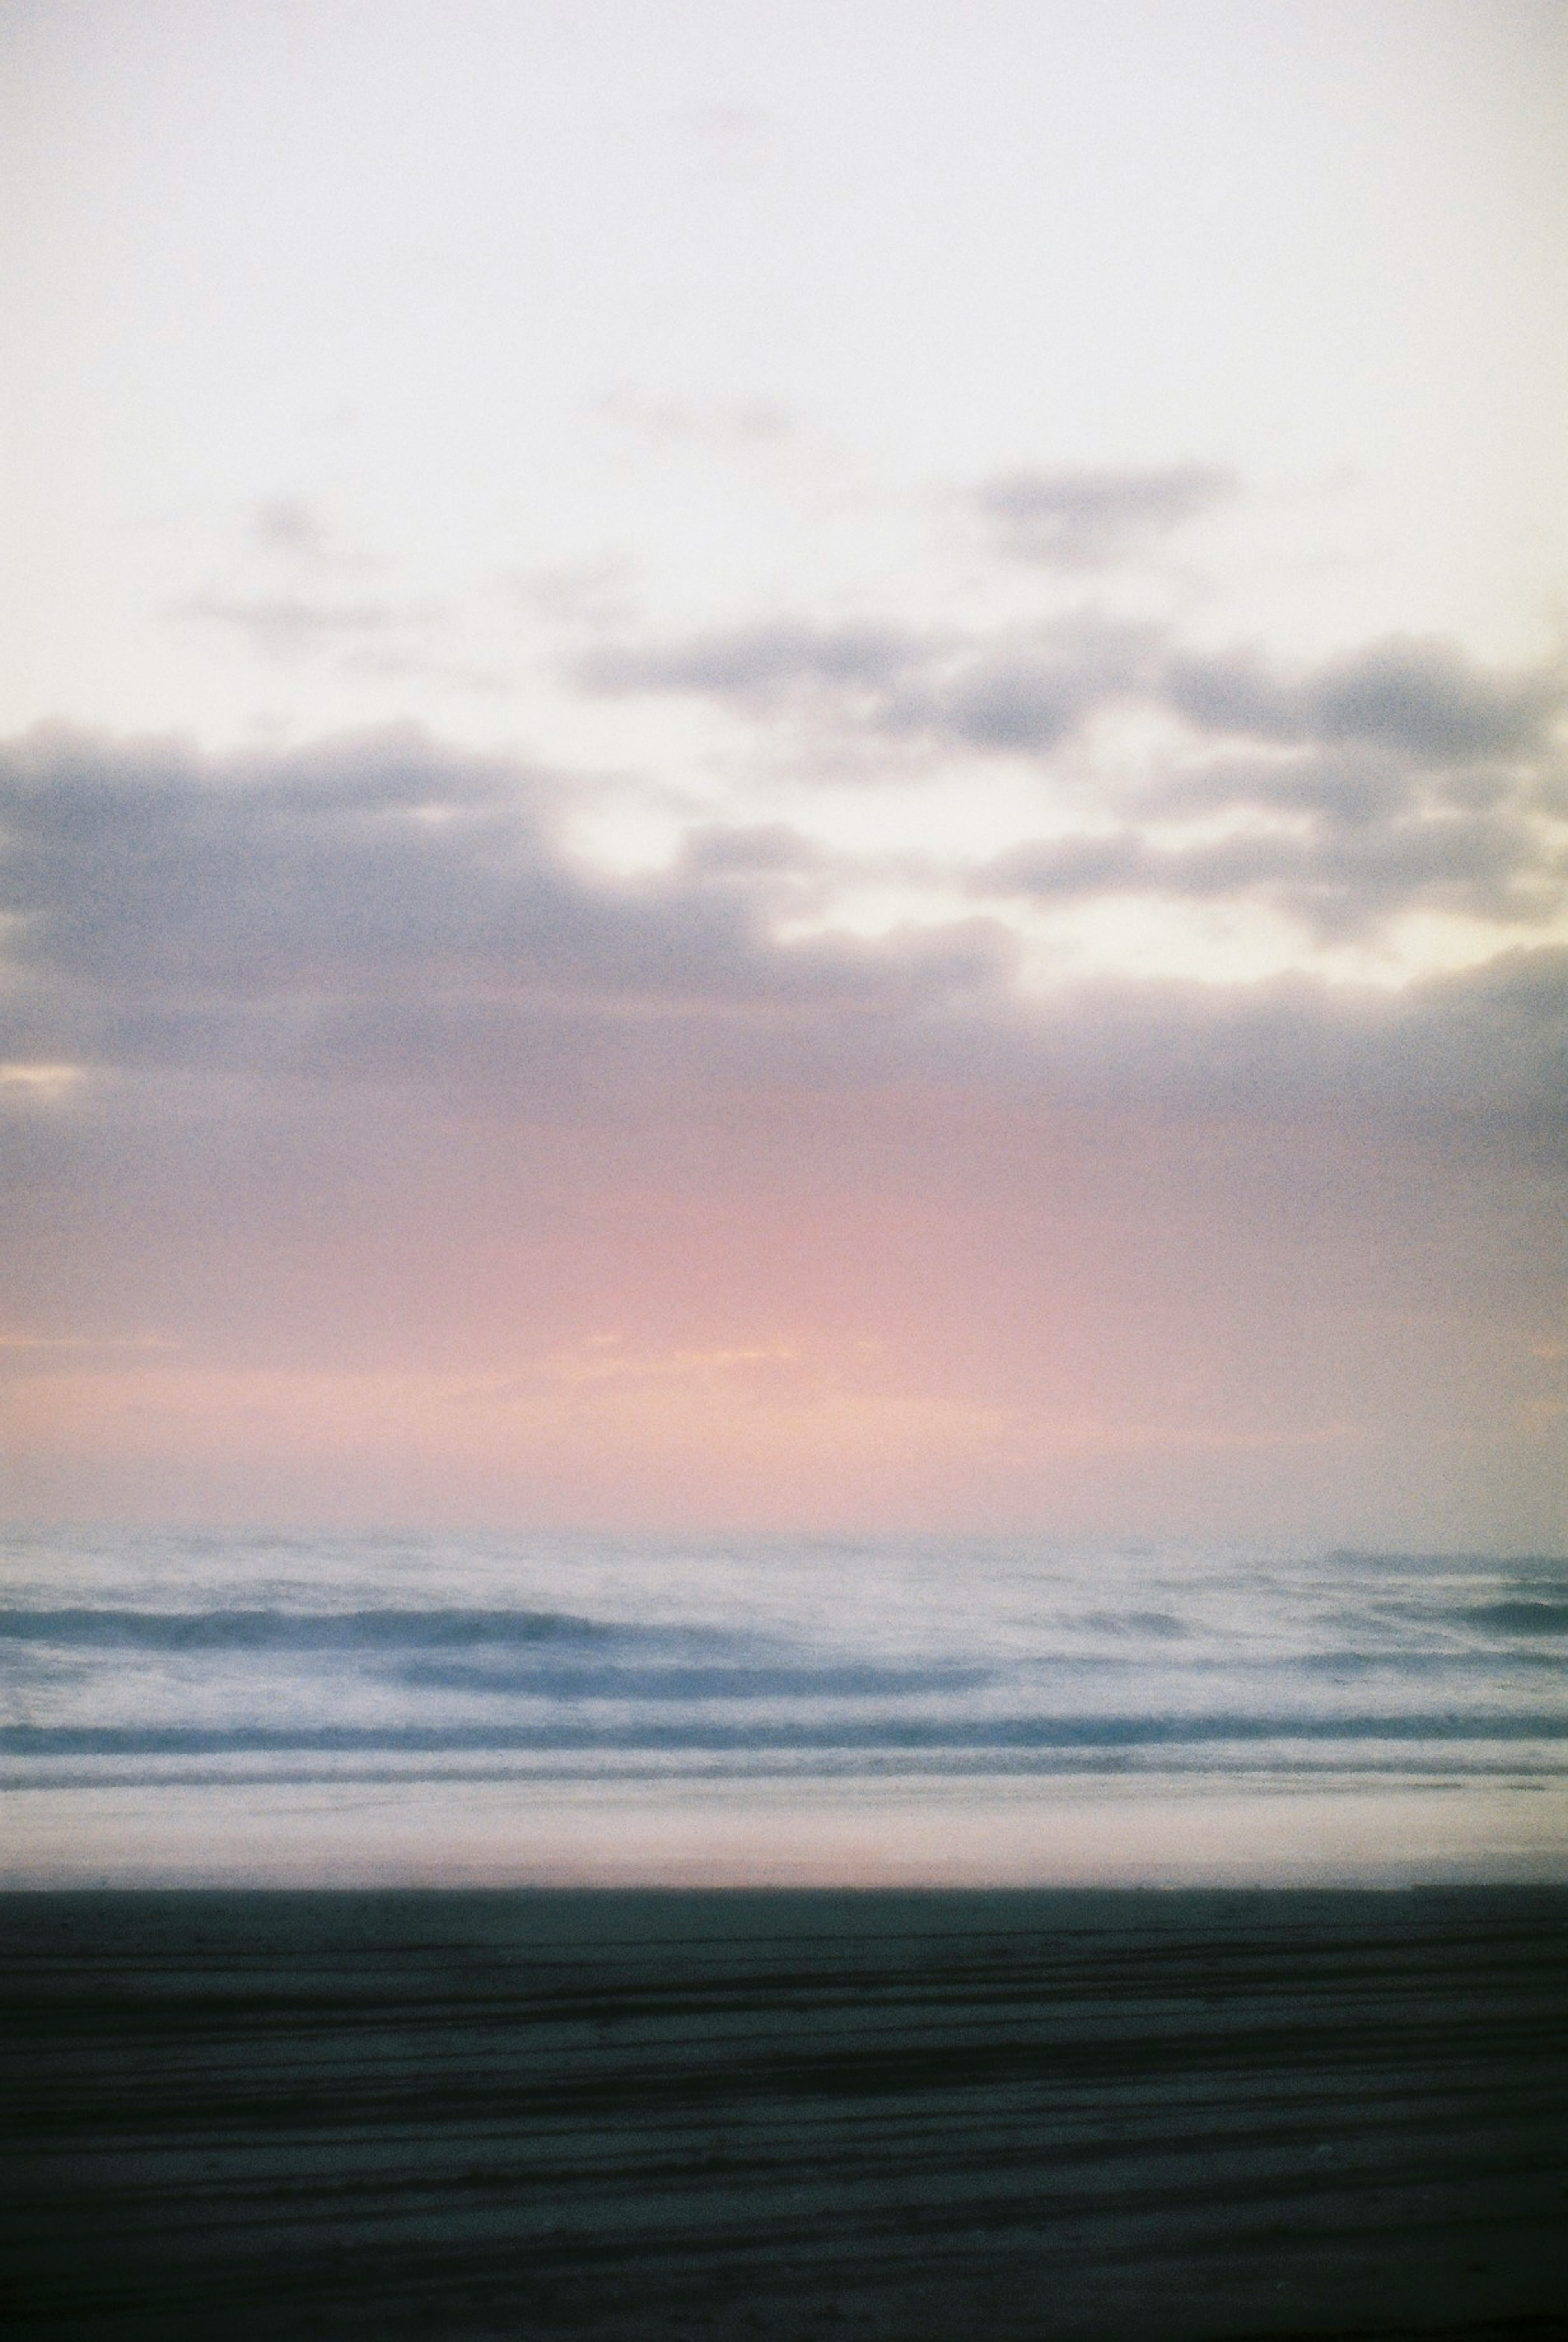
{"x":245,"y":1708}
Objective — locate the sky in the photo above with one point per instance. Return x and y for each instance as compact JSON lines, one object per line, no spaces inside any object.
{"x":786,"y":768}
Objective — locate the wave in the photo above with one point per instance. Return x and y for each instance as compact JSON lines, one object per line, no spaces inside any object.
{"x":681,"y":1681}
{"x":460,"y":1630}
{"x":1161,"y":1623}
{"x":528,"y":1652}
{"x":1521,"y":1617}
{"x":1355,"y":1557}
{"x":911,"y":1734}
{"x":304,"y":1630}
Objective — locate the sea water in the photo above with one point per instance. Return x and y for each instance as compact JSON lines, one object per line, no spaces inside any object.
{"x":185,"y":1707}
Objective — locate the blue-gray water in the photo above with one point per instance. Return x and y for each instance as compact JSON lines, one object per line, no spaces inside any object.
{"x":197,"y":1706}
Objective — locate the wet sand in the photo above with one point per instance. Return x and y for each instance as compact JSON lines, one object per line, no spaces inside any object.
{"x":633,"y":2117}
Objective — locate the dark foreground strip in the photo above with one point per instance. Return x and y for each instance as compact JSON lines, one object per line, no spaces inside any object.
{"x":635,"y":2117}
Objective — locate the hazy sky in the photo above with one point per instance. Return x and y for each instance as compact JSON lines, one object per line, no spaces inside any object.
{"x":793,"y":767}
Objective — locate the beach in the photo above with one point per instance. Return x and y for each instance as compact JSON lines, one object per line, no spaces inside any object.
{"x":633,"y":2116}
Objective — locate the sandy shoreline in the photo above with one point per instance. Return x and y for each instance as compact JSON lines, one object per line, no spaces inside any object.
{"x":897,"y":2115}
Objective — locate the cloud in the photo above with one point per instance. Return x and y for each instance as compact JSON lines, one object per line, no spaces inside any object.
{"x":385,"y":909}
{"x":1340,"y":877}
{"x":1421,"y":698}
{"x":1377,"y":717}
{"x":1488,"y":1042}
{"x":1020,"y":693}
{"x":752,"y":849}
{"x":1027,"y":695}
{"x":1351,"y":785}
{"x":1399,"y":777}
{"x":377,"y":1082}
{"x":1091,"y":519}
{"x":380,"y":899}
{"x":759,"y":665}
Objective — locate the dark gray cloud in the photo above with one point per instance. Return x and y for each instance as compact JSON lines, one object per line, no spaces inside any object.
{"x":1011,"y":705}
{"x":1422,"y":706}
{"x":390,"y":911}
{"x":1422,"y":699}
{"x":1090,"y":519}
{"x":1029,"y":696}
{"x":1399,"y":776}
{"x":159,"y":900}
